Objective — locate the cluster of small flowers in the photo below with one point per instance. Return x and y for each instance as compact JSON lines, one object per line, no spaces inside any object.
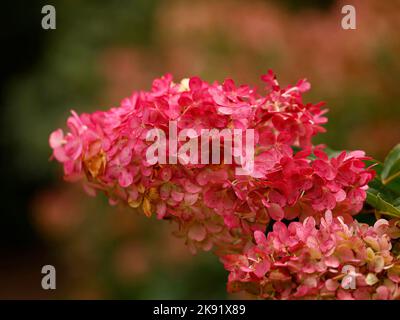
{"x":212,"y":205}
{"x":303,"y":261}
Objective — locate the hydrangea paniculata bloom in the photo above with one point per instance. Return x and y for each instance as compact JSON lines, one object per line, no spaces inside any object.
{"x":211,"y":204}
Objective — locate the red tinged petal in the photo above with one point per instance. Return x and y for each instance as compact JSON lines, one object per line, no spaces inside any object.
{"x":56,"y":139}
{"x":262,"y":268}
{"x":276,"y":212}
{"x":260,"y":238}
{"x":125,"y":179}
{"x":195,"y":83}
{"x":197,"y":232}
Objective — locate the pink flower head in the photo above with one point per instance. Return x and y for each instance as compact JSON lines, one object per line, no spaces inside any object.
{"x":305,"y":260}
{"x":213,"y":206}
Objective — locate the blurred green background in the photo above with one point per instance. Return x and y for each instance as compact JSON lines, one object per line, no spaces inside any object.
{"x":101,"y":52}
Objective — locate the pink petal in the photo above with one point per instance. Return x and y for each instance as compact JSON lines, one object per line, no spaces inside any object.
{"x":332,"y":285}
{"x":166,"y":174}
{"x":56,"y":139}
{"x":161,"y":209}
{"x":262,"y":268}
{"x":276,"y":212}
{"x":177,"y":196}
{"x":197,"y":232}
{"x":60,"y":155}
{"x":191,"y":187}
{"x":125,"y":179}
{"x":260,"y":238}
{"x":332,"y":262}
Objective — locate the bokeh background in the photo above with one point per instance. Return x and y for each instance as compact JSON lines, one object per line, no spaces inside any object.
{"x":101,"y":52}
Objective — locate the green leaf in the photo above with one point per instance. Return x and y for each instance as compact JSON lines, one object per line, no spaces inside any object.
{"x":375,"y":199}
{"x":396,"y":202}
{"x":391,"y":166}
{"x":392,"y":187}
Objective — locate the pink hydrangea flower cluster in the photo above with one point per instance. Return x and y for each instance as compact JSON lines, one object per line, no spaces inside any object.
{"x":306,"y":260}
{"x":212,"y":205}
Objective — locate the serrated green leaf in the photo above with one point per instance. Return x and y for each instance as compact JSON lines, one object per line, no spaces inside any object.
{"x":394,"y":186}
{"x":391,"y":188}
{"x":374,"y":198}
{"x":396,"y":202}
{"x":391,"y":166}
